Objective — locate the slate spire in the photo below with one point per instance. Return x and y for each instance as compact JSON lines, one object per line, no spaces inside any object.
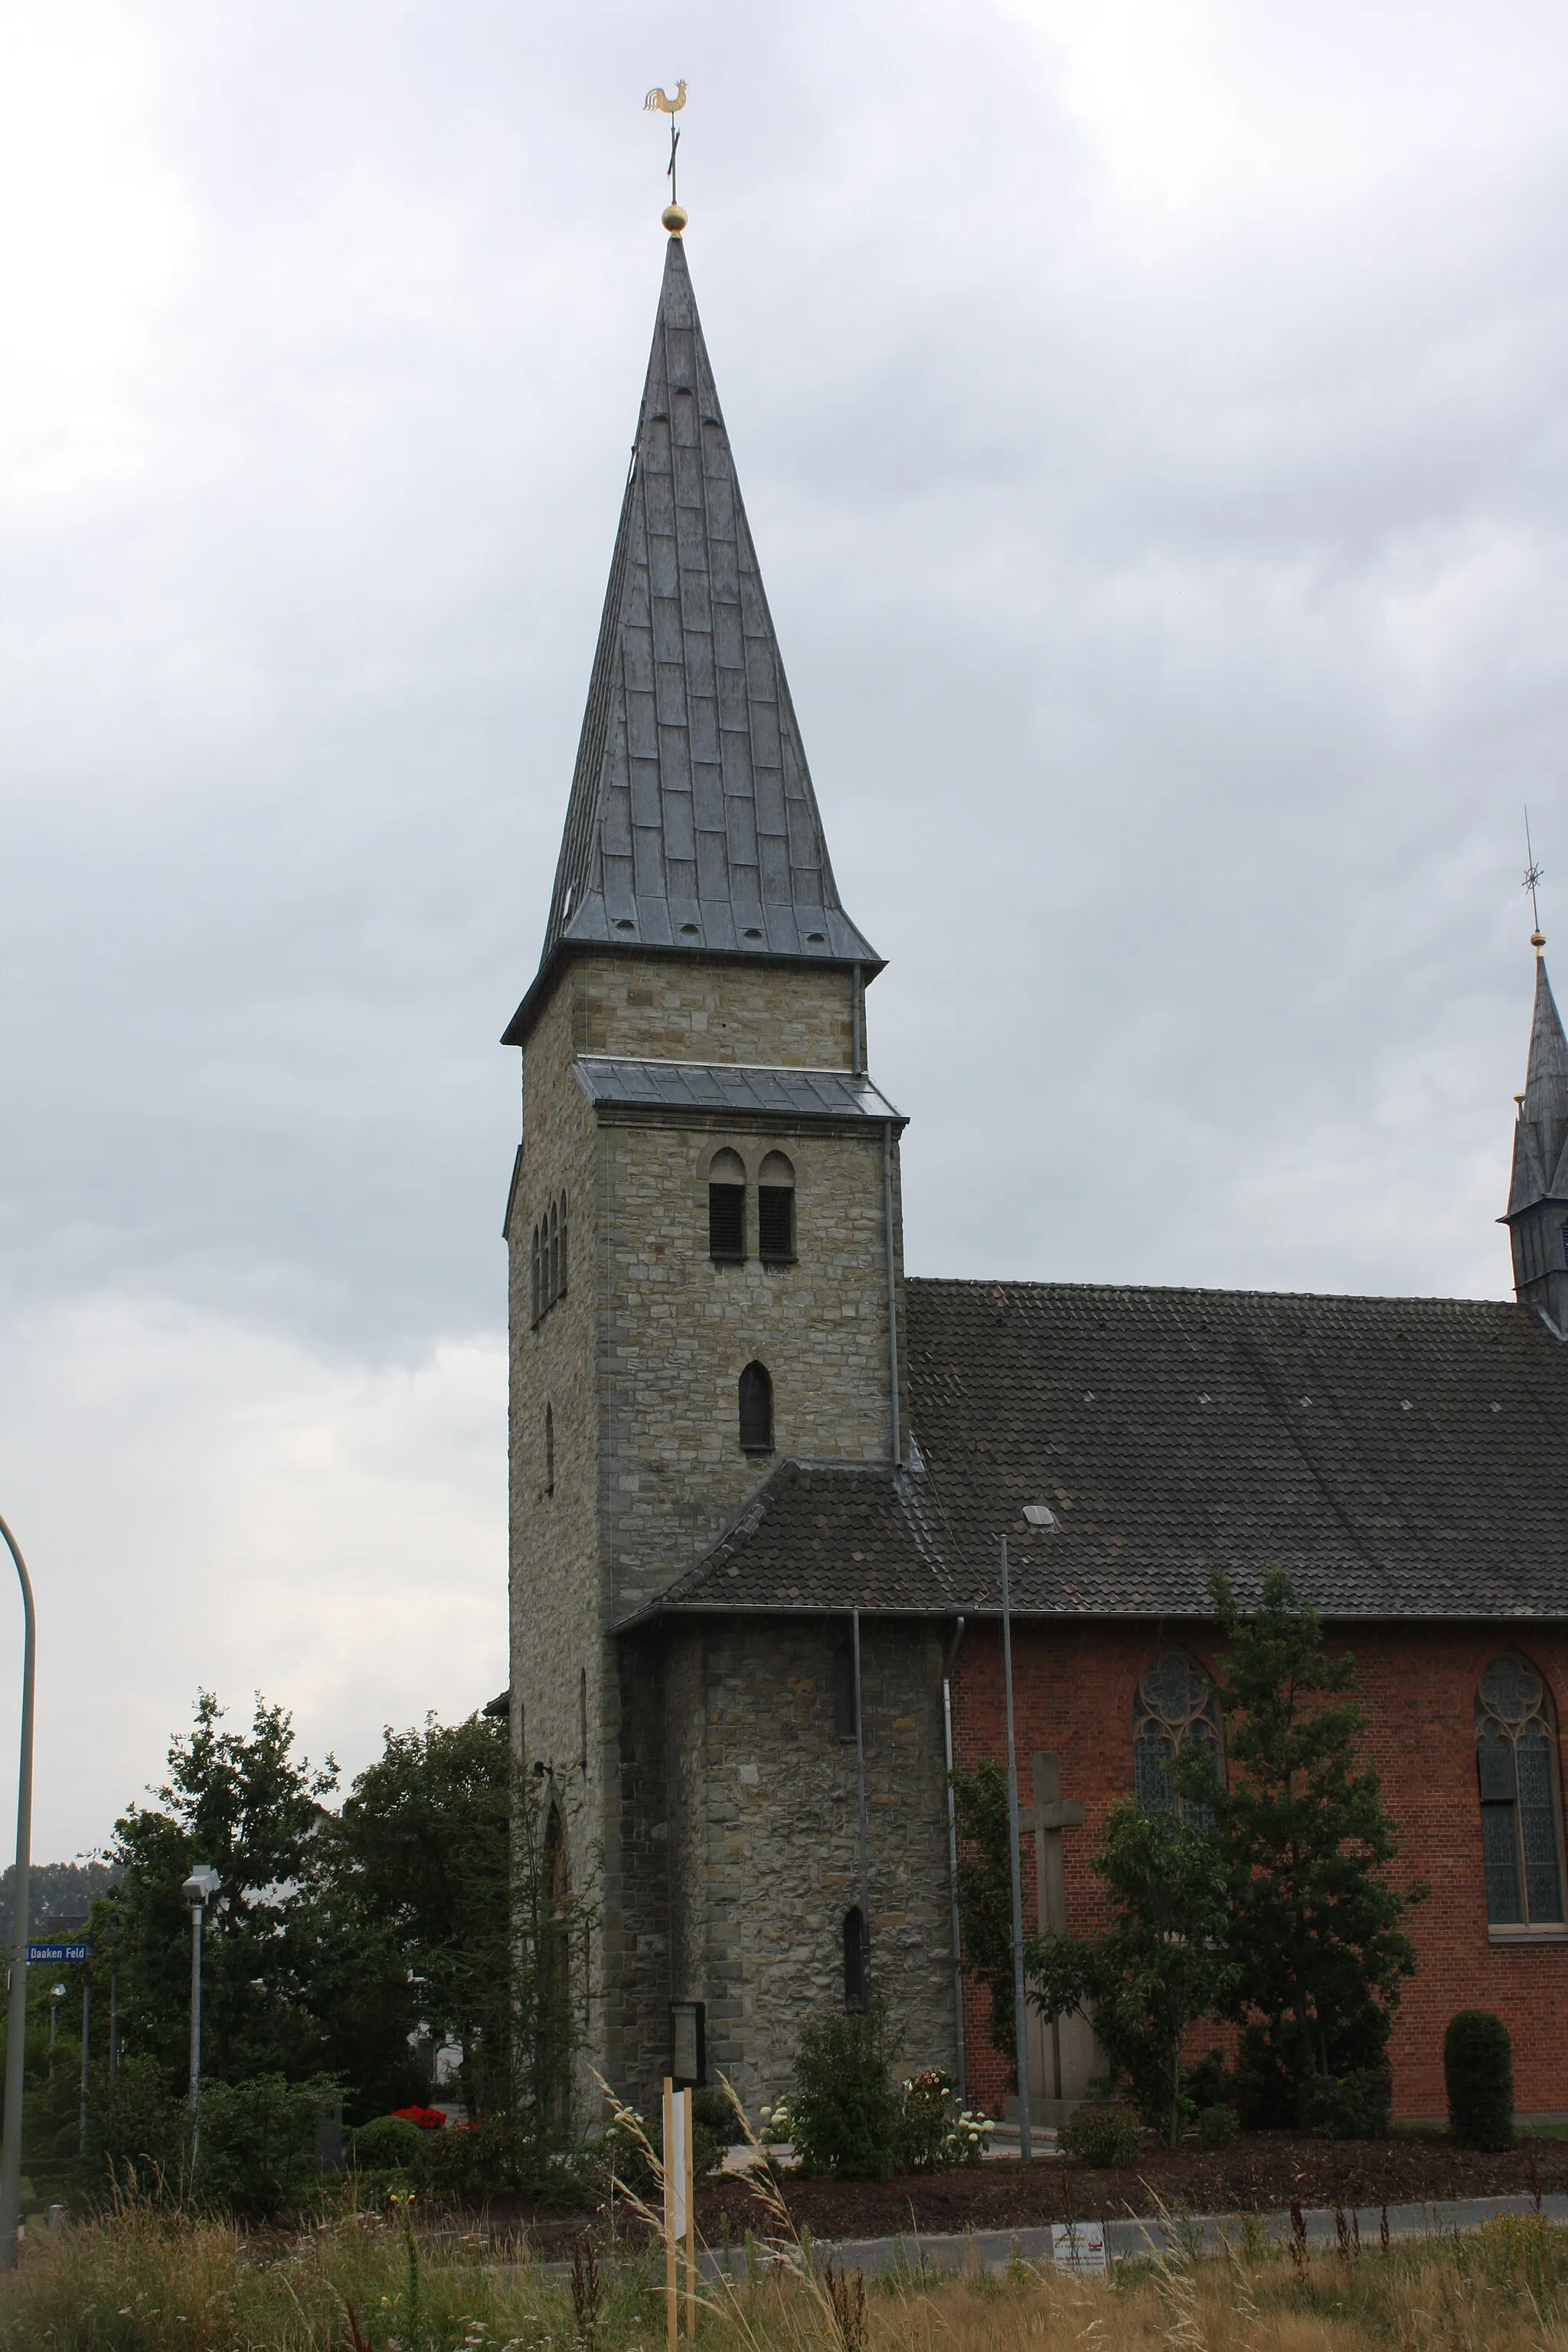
{"x":692,"y":826}
{"x":1538,"y":1194}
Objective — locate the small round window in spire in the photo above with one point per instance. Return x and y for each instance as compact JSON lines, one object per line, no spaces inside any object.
{"x":752,"y":932}
{"x":689,"y":931}
{"x":625,"y":923}
{"x":816,"y":938}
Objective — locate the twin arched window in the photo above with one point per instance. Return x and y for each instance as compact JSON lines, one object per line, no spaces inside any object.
{"x":1173,"y":1708}
{"x":1516,"y":1766}
{"x":727,"y":1210}
{"x":547,"y":1264}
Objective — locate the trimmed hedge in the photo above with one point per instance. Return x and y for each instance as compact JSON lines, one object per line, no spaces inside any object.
{"x":1100,"y":2136}
{"x":1477,"y":2066}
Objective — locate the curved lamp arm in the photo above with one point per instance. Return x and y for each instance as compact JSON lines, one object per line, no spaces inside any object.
{"x":17,"y":2027}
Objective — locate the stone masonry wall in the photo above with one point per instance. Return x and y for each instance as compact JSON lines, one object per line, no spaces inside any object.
{"x":761,"y":1831}
{"x":1074,"y":1688}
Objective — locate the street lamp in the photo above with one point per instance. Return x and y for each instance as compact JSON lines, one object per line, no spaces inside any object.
{"x":1041,"y":1516}
{"x":17,"y":2027}
{"x":198,"y":1891}
{"x":56,"y":1994}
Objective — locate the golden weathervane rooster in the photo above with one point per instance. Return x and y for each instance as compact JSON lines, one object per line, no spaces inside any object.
{"x":655,"y":100}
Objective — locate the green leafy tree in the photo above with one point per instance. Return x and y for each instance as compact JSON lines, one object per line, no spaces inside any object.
{"x":1159,"y":1964}
{"x":1315,"y":1922}
{"x":252,"y":1808}
{"x":986,"y":1894}
{"x":422,"y":1863}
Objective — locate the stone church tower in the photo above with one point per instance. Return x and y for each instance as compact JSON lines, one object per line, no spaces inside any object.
{"x":703,"y":1226}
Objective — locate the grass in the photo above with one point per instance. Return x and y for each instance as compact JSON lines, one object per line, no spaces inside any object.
{"x":143,"y":2281}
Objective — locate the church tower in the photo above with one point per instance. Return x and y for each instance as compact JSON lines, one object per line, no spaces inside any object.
{"x":704,"y":1226}
{"x":1537,"y":1216}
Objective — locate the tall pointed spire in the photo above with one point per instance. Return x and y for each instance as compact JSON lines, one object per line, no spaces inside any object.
{"x":692,"y":826}
{"x":1538,"y":1193}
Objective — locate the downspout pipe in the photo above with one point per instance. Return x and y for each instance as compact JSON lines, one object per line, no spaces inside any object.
{"x":860,"y":1804}
{"x":892,"y":1288}
{"x":949,"y":1662}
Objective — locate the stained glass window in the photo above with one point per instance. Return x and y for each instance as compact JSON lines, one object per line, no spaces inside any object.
{"x":1516,"y":1772}
{"x":1175,"y":1707}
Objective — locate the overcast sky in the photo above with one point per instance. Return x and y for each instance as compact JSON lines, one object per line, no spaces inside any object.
{"x":1152,"y":415}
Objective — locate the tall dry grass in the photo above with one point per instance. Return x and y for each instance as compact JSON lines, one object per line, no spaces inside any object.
{"x":141,"y":2281}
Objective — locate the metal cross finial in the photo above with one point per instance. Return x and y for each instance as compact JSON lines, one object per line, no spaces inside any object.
{"x":657,"y":102}
{"x":1532,"y":872}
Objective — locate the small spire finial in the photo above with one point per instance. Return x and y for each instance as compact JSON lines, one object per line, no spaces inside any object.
{"x":674,"y":215}
{"x":1533,"y":876}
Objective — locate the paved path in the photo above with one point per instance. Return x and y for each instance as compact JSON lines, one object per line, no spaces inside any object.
{"x":993,"y":2250}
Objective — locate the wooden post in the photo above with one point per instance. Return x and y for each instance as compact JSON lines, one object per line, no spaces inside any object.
{"x":671,"y":2298}
{"x":687,"y":2137}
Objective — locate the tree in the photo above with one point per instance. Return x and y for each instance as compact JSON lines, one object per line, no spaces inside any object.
{"x":1161,"y":1964}
{"x":986,"y":1894}
{"x":250,"y":1808}
{"x":422,"y":1860}
{"x":1314,"y":1920}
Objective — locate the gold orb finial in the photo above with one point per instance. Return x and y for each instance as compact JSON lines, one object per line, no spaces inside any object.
{"x":1538,"y":940}
{"x":674,"y":217}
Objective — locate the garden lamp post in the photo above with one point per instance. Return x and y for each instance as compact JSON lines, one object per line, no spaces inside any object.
{"x":56,"y":1994}
{"x":17,"y":2027}
{"x":198,"y":1891}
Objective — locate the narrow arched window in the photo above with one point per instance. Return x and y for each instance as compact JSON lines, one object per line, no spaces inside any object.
{"x":549,"y":1450}
{"x":536,"y":1284}
{"x":561,"y":1269}
{"x":846,"y":1716}
{"x":727,"y":1209}
{"x":775,"y":1211}
{"x":854,"y":1959}
{"x":552,"y":1255}
{"x":756,"y":1410}
{"x":1516,"y":1766}
{"x":1175,"y":1709}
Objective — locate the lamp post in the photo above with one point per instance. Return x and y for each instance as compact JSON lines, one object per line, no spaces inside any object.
{"x":17,"y":2026}
{"x":56,"y":1994}
{"x":198,"y":1891}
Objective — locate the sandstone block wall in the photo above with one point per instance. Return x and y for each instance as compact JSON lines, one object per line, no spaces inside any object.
{"x":754,"y":1802}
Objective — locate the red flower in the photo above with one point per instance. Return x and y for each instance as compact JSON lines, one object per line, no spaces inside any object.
{"x":427,"y":2118}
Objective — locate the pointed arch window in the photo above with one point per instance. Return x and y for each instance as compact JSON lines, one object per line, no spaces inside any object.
{"x":1174,"y":1707}
{"x":1521,"y":1824}
{"x":756,"y":1400}
{"x":775,"y":1210}
{"x":727,"y":1209}
{"x":855,"y":1968}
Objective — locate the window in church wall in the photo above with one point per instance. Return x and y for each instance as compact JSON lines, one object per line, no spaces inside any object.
{"x":846,"y":1721}
{"x":775,"y":1211}
{"x":1516,"y":1770}
{"x":756,"y":1401}
{"x":547,"y":1264}
{"x":727,"y":1209}
{"x":1174,"y":1707}
{"x":853,"y":1958}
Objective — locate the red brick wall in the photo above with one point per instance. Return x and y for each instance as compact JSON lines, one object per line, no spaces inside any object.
{"x":1074,"y":1686}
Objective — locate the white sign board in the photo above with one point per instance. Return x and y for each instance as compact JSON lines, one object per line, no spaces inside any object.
{"x":676,"y":2161}
{"x":1080,"y":2246}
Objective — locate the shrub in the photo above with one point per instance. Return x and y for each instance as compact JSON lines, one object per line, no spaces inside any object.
{"x":385,"y":2142}
{"x":1100,"y":2136}
{"x":1477,"y":2066}
{"x":935,"y":2131}
{"x":1355,"y":2105}
{"x":258,"y":2144}
{"x":1217,"y":2127}
{"x":846,"y":2116}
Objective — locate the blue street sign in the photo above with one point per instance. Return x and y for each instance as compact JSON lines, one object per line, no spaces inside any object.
{"x":58,"y":1952}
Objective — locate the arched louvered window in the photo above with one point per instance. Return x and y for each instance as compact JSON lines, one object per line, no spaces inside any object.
{"x":775,"y":1211}
{"x":547,"y":1265}
{"x":1516,"y":1766}
{"x":727,"y":1209}
{"x":548,"y":1449}
{"x":1175,"y":1707}
{"x":855,"y":1969}
{"x":756,"y":1410}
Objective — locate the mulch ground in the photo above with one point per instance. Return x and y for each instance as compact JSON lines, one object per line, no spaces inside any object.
{"x":1262,"y":2173}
